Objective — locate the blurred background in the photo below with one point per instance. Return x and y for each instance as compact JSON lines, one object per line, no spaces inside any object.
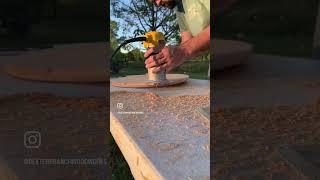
{"x":41,"y":23}
{"x":282,"y":27}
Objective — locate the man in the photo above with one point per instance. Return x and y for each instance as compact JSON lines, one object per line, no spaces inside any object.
{"x":193,"y":17}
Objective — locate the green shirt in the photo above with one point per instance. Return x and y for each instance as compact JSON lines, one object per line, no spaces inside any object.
{"x":193,"y":15}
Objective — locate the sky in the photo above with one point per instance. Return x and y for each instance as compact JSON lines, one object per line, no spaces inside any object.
{"x":121,"y":33}
{"x":134,"y":45}
{"x":138,"y":45}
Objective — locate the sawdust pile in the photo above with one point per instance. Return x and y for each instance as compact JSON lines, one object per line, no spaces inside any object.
{"x":182,"y":107}
{"x":69,"y":128}
{"x":245,"y":140}
{"x":170,"y":130}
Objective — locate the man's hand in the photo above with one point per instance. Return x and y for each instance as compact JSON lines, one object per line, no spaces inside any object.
{"x":166,"y":58}
{"x":185,"y":36}
{"x":170,"y":57}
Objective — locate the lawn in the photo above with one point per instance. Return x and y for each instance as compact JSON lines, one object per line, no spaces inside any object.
{"x":283,"y":27}
{"x":195,"y":69}
{"x":119,"y":167}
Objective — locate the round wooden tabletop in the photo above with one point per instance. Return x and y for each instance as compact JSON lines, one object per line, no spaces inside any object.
{"x":141,"y":81}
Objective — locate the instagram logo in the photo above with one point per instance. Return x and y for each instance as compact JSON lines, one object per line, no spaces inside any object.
{"x":32,"y":139}
{"x":120,"y":106}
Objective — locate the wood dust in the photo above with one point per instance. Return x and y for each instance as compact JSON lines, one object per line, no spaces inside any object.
{"x":245,"y":140}
{"x":170,"y":131}
{"x":69,"y":127}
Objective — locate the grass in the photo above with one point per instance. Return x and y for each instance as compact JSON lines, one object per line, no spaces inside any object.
{"x":195,"y":69}
{"x":119,"y":168}
{"x":283,"y":27}
{"x":133,"y":68}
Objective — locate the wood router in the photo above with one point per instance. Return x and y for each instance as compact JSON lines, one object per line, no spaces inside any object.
{"x":161,"y":79}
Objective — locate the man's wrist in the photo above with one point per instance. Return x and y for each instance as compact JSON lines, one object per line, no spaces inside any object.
{"x":185,"y":51}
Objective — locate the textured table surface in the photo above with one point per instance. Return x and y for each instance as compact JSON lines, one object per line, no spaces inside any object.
{"x":168,"y":139}
{"x":84,"y":62}
{"x":191,"y":87}
{"x":266,"y":80}
{"x":11,"y":85}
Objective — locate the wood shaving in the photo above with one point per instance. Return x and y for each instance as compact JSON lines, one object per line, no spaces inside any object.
{"x":69,"y":128}
{"x":247,"y":138}
{"x":169,"y":131}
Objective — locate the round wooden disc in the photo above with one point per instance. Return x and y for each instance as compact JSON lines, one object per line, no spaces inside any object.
{"x":141,"y":81}
{"x":79,"y":63}
{"x":228,"y":53}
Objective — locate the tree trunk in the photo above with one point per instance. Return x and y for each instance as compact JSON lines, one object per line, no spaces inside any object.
{"x":153,"y":19}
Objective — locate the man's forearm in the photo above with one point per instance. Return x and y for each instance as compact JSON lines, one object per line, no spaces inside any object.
{"x":197,"y":45}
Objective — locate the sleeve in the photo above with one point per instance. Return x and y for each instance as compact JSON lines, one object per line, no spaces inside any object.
{"x":206,"y":4}
{"x":181,"y":22}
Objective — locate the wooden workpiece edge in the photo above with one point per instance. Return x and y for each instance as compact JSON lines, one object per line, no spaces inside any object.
{"x":139,"y":164}
{"x":139,"y":81}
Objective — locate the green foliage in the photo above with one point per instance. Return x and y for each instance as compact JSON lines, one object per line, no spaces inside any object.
{"x":136,"y":55}
{"x":195,"y":69}
{"x":113,"y":34}
{"x":204,"y":57}
{"x":119,"y":61}
{"x":122,"y":60}
{"x":139,"y":17}
{"x":119,"y":167}
{"x":283,"y":27}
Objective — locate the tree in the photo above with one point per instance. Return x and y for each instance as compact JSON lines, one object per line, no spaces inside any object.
{"x":140,"y":16}
{"x":113,"y":34}
{"x":119,"y":60}
{"x":136,"y":55}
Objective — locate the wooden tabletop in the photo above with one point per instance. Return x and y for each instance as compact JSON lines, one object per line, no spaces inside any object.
{"x":168,"y":139}
{"x":267,"y":80}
